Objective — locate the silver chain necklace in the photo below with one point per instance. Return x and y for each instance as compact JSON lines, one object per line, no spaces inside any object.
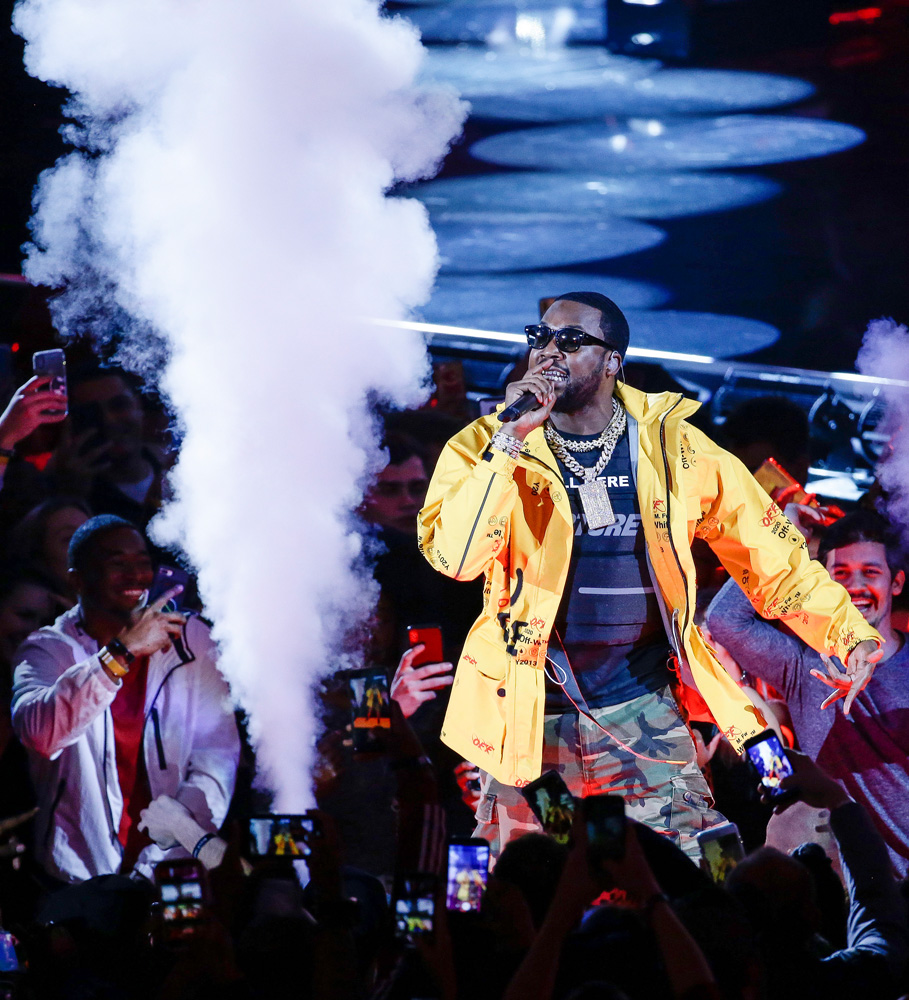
{"x":592,"y":491}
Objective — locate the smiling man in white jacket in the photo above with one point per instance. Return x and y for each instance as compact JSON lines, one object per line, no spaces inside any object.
{"x":118,"y":706}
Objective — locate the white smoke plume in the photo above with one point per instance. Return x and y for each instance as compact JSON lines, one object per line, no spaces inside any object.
{"x":885,"y":354}
{"x":225,"y":213}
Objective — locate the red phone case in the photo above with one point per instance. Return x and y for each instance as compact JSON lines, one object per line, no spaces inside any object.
{"x":431,"y":637}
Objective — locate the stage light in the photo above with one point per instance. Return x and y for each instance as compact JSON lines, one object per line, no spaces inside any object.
{"x":530,"y":29}
{"x":660,"y":28}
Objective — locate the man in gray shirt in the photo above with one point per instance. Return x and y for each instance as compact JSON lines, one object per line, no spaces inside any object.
{"x":866,"y":750}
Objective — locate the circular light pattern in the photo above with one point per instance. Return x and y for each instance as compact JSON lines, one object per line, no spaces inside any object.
{"x":708,"y":334}
{"x":645,"y":196}
{"x":508,"y":302}
{"x":667,"y":91}
{"x":476,"y":71}
{"x":521,"y":243}
{"x":543,"y":21}
{"x":651,"y":144}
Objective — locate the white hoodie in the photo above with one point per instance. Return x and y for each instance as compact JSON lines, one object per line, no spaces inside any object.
{"x":61,"y":713}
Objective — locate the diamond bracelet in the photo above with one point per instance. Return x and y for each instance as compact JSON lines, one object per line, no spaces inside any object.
{"x":505,"y":442}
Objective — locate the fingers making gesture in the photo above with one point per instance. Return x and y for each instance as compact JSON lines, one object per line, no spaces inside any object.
{"x":153,"y":628}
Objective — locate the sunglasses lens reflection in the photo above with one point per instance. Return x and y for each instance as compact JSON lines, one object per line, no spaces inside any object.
{"x":566,"y":340}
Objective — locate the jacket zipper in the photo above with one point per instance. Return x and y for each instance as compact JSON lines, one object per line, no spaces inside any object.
{"x":156,"y":719}
{"x":159,"y":743}
{"x":474,"y":528}
{"x":115,"y":840}
{"x":675,"y":553}
{"x":162,"y":762}
{"x":61,"y":788}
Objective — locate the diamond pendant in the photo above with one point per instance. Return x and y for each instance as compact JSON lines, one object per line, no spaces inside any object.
{"x":597,"y":505}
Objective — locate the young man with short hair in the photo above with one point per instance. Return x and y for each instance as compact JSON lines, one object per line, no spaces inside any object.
{"x":866,"y":751}
{"x":120,"y":702}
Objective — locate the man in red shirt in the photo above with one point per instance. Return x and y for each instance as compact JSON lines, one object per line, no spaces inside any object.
{"x":120,"y":702}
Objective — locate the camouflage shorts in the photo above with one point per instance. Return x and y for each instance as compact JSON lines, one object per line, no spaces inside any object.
{"x":672,"y":798}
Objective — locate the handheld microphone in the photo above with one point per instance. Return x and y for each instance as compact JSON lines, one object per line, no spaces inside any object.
{"x":523,"y":404}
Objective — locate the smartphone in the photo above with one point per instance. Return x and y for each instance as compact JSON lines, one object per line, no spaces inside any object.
{"x":415,"y":907}
{"x":183,"y":897}
{"x":431,"y":637}
{"x":721,"y":848}
{"x":468,"y":870}
{"x":768,"y":757}
{"x":604,"y":819}
{"x":51,"y":364}
{"x":282,"y":835}
{"x":167,"y":577}
{"x":9,"y":961}
{"x":370,"y":708}
{"x":552,"y":804}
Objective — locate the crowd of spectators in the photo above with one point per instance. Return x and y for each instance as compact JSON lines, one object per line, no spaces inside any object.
{"x":816,"y":908}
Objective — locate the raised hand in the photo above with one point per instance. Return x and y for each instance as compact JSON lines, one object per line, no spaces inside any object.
{"x":411,"y":686}
{"x":534,"y":382}
{"x":153,"y":629}
{"x":30,"y":407}
{"x":847,"y":684}
{"x":75,"y":463}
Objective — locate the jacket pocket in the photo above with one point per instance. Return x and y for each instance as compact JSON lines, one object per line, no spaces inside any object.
{"x":486,"y":810}
{"x":486,"y":655}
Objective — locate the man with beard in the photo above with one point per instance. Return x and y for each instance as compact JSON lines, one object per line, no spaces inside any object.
{"x":866,"y":751}
{"x":580,"y":514}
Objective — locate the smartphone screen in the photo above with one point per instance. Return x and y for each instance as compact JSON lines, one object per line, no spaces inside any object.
{"x":9,"y":961}
{"x":721,"y":849}
{"x":604,"y":818}
{"x":415,"y":907}
{"x":281,"y":835}
{"x":370,"y":707}
{"x":468,"y":869}
{"x":552,"y":804}
{"x":52,"y":364}
{"x":167,"y":577}
{"x":181,"y":890}
{"x":431,"y":637}
{"x":768,"y":757}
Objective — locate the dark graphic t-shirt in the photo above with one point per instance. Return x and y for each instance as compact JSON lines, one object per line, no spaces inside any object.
{"x":609,"y":624}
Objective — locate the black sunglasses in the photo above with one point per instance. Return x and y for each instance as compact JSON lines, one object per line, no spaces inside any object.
{"x":568,"y":339}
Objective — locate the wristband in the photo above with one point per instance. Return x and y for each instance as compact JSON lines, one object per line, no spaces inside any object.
{"x":505,"y":442}
{"x":201,"y":842}
{"x":116,"y":648}
{"x":114,"y":666}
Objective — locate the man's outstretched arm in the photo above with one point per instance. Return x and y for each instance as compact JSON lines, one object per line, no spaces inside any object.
{"x":759,"y":648}
{"x":768,"y":557}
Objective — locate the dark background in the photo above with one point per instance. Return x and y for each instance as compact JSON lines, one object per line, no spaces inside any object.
{"x":818,"y":263}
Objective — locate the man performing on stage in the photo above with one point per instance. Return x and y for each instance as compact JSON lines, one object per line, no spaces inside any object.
{"x":581,"y":513}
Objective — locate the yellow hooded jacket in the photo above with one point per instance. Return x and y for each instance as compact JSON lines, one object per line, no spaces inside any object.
{"x":511,"y":519}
